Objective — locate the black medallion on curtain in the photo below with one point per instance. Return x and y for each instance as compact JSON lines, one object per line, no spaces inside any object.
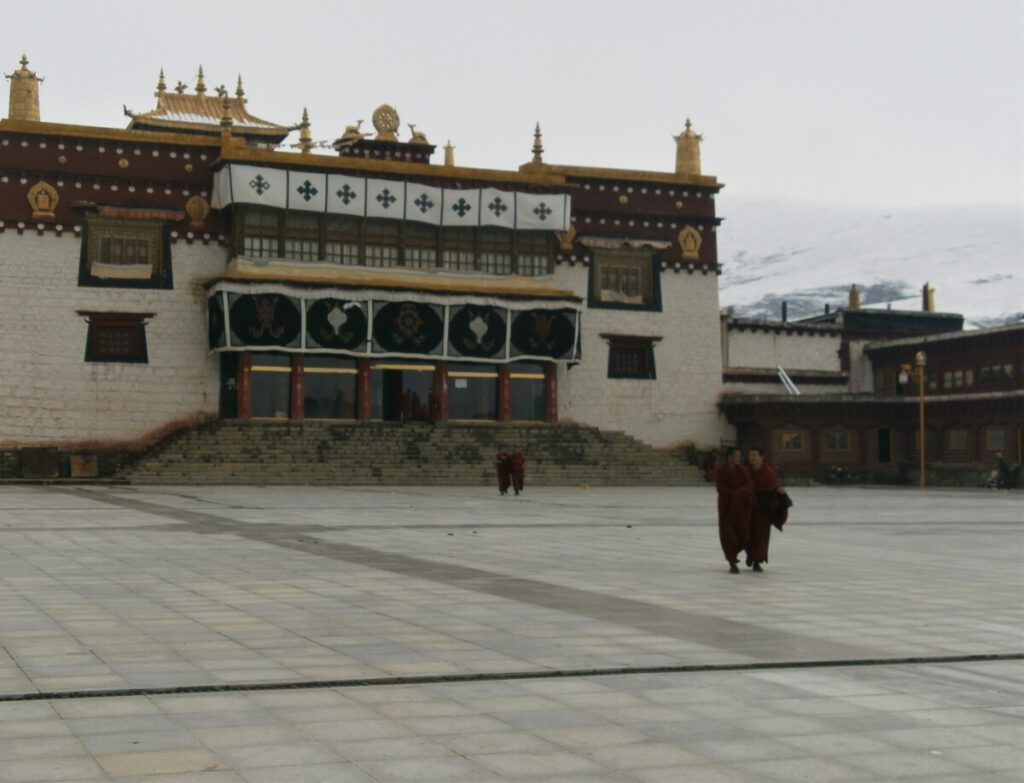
{"x":408,"y":327}
{"x":265,"y":319}
{"x":477,"y":331}
{"x":336,"y":323}
{"x":544,"y":333}
{"x":215,"y":321}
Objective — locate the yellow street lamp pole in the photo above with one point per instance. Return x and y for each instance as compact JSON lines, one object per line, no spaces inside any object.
{"x":920,"y":360}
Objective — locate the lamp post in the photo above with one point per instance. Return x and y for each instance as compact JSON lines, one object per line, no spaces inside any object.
{"x":920,"y":360}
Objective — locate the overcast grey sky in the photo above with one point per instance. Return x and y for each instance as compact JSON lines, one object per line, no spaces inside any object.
{"x":887,"y":102}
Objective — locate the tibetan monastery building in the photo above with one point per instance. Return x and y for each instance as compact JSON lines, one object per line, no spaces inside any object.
{"x":194,"y":265}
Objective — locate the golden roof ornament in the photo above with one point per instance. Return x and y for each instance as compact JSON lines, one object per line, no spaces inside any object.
{"x":200,"y":82}
{"x":24,"y":97}
{"x":449,"y":154}
{"x":538,"y":147}
{"x":226,"y":121}
{"x":386,"y":123}
{"x":305,"y":137}
{"x":239,"y":92}
{"x":180,"y":87}
{"x":418,"y":137}
{"x":688,"y":151}
{"x":161,"y":85}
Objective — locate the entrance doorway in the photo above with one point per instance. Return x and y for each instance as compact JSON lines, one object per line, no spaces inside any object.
{"x":884,"y":446}
{"x":400,"y":390}
{"x":271,"y":385}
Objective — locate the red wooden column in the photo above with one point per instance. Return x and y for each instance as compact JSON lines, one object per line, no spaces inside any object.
{"x":504,"y":393}
{"x":363,"y":401}
{"x":439,"y":409}
{"x":298,"y":388}
{"x":245,"y":386}
{"x":551,"y":393}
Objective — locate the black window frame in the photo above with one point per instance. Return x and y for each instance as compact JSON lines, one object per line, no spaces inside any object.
{"x":622,"y":347}
{"x":97,"y":227}
{"x":602,"y":257}
{"x":103,"y":322}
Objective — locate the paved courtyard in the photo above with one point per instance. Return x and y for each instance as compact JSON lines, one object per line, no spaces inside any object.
{"x":429,"y":634}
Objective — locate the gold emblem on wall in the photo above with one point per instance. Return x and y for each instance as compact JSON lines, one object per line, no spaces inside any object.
{"x":689,"y":242}
{"x":197,"y":208}
{"x":43,"y":198}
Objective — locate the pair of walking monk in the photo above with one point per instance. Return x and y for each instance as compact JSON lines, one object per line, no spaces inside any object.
{"x":511,"y":465}
{"x":749,"y":503}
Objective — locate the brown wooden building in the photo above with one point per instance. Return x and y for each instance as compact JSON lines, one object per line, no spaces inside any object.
{"x":974,"y":411}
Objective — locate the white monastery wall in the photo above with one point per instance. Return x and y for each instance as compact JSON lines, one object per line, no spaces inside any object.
{"x":862,"y":374}
{"x":765,"y":348}
{"x":680,"y":404}
{"x":49,"y":394}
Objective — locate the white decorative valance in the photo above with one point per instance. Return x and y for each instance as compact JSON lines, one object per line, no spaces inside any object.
{"x":344,"y":194}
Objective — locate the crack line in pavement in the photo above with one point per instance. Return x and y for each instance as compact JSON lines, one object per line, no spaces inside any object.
{"x":440,"y":679}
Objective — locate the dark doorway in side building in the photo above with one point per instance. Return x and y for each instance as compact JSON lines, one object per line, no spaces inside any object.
{"x":884,"y":446}
{"x":400,"y":390}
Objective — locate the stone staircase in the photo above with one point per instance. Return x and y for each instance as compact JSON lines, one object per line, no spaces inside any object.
{"x":364,"y":453}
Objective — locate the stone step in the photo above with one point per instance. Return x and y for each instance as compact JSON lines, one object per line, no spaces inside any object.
{"x":383,"y":453}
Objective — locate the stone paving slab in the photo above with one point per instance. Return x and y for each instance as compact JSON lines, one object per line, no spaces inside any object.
{"x":137,"y":588}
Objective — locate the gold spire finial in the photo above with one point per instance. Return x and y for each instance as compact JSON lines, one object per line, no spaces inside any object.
{"x":239,"y":92}
{"x":688,"y":151}
{"x":225,"y":116}
{"x":200,"y":82}
{"x":305,"y":137}
{"x":161,"y":85}
{"x":538,"y":147}
{"x":449,"y":154}
{"x":24,"y":95}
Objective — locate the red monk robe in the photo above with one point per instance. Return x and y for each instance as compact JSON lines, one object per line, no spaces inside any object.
{"x":504,"y":465}
{"x":767,"y":505}
{"x":517,"y":470}
{"x":735,"y":498}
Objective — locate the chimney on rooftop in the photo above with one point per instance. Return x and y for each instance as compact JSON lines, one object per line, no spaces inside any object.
{"x":928,"y":298}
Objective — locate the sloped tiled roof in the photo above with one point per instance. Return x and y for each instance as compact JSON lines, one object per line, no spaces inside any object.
{"x":202,"y":114}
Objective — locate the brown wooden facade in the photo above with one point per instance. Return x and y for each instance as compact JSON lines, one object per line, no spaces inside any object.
{"x":968,"y":422}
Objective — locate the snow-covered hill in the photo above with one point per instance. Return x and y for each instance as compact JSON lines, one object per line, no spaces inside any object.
{"x":773,"y":249}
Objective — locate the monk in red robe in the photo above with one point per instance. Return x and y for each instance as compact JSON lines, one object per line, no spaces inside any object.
{"x":517,"y":470}
{"x":767,"y":507}
{"x":735,"y":498}
{"x":710,"y":466}
{"x":503,"y":462}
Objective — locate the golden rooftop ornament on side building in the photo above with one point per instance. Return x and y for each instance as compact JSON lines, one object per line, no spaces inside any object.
{"x":200,"y":82}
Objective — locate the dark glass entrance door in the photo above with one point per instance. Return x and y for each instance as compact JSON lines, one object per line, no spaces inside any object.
{"x":400,"y":390}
